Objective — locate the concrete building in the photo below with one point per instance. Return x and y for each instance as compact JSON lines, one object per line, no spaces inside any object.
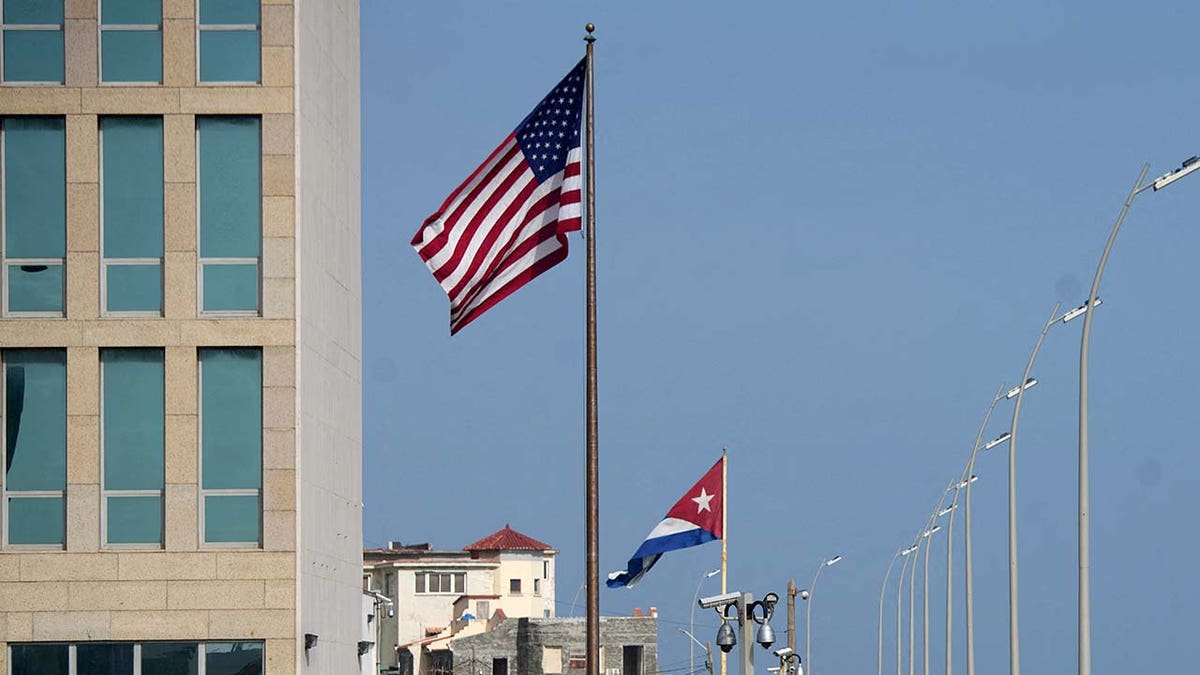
{"x":628,"y":646}
{"x":440,"y":594}
{"x":180,"y":337}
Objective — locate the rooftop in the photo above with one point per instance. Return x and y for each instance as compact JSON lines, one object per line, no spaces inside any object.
{"x":508,"y":539}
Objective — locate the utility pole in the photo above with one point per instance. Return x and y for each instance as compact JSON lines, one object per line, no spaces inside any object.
{"x":791,"y":631}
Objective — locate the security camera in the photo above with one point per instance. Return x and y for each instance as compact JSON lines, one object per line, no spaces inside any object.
{"x":784,"y":652}
{"x":719,"y":600}
{"x":804,"y":594}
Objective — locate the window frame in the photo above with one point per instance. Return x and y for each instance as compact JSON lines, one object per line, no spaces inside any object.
{"x":35,"y":27}
{"x":514,"y":587}
{"x":5,"y":493}
{"x":422,"y":578}
{"x":199,"y":645}
{"x":227,"y":27}
{"x":5,"y":261}
{"x":106,"y":493}
{"x":127,"y":27}
{"x":203,"y":492}
{"x":106,"y":261}
{"x":202,"y":262}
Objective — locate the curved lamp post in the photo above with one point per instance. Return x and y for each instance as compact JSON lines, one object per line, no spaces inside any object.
{"x":1085,"y":611}
{"x":968,"y":477}
{"x":899,"y":603}
{"x":812,"y":589}
{"x":1014,"y":635}
{"x":692,"y":623}
{"x":882,"y":588}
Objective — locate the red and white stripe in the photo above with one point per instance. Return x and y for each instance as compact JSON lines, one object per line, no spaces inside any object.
{"x":499,"y":230}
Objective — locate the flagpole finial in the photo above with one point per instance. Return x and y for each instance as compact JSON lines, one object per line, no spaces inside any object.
{"x":590,"y":28}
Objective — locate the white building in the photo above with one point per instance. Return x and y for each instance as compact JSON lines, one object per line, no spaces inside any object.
{"x":444,"y":594}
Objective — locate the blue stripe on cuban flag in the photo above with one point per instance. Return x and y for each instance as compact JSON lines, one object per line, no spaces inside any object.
{"x":670,"y":534}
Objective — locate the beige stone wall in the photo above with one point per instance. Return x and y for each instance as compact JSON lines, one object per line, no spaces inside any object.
{"x":183,"y":592}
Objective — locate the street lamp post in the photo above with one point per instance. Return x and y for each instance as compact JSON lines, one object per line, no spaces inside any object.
{"x":708,"y":664}
{"x":938,"y":512}
{"x":1085,"y":612}
{"x":899,"y":602}
{"x":968,"y":477}
{"x":882,"y":588}
{"x":692,"y":623}
{"x":812,"y":589}
{"x":1014,"y":635}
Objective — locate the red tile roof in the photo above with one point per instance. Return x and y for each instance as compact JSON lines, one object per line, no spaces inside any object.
{"x":507,"y":539}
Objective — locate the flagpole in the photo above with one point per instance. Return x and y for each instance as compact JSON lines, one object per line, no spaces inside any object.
{"x":724,"y":534}
{"x":593,"y":490}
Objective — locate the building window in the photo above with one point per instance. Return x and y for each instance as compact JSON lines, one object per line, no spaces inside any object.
{"x":131,"y":41}
{"x":231,"y":446}
{"x":483,"y":609}
{"x":147,"y":658}
{"x":545,"y":569}
{"x":389,"y":585}
{"x":132,"y":442}
{"x":537,"y":586}
{"x":34,"y":460}
{"x":33,"y":191}
{"x":230,"y":194}
{"x":499,"y":666}
{"x":441,"y":582}
{"x":31,"y":34}
{"x":578,"y":661}
{"x":514,"y":586}
{"x":228,"y":41}
{"x":131,"y":215}
{"x":631,"y":660}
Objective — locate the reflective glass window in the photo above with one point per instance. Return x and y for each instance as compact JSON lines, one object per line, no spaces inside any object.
{"x":104,"y":658}
{"x":39,"y":659}
{"x":231,"y":443}
{"x":169,"y":658}
{"x":230,"y":195}
{"x":131,"y":41}
{"x":233,"y":658}
{"x":133,"y":444}
{"x":132,"y":212}
{"x":229,"y":41}
{"x":35,"y":445}
{"x":34,"y":218}
{"x":31,"y":33}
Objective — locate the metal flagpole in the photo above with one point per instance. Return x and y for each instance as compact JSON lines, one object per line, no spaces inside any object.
{"x":593,"y":490}
{"x":724,"y":536}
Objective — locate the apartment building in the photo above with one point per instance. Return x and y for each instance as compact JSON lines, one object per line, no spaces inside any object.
{"x":180,"y":337}
{"x":443,"y":595}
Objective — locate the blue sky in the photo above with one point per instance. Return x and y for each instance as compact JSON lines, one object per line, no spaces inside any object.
{"x":826,"y":232}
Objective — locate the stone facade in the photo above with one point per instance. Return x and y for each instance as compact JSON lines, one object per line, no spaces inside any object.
{"x":309,"y":332}
{"x":537,"y":646}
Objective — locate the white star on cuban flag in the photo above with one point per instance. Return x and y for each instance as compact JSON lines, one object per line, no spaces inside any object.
{"x":695,"y":519}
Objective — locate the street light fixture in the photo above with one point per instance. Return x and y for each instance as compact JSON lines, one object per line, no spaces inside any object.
{"x":1079,"y":311}
{"x":998,"y":440}
{"x":708,"y":664}
{"x":829,"y":562}
{"x":1085,"y":608}
{"x":692,"y":623}
{"x":1029,"y":383}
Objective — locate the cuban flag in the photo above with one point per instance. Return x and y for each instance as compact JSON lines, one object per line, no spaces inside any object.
{"x":695,"y":519}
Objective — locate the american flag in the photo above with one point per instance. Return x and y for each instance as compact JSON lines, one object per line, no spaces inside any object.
{"x":509,"y":221}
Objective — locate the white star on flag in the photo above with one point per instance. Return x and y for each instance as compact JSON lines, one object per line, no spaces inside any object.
{"x":702,"y":501}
